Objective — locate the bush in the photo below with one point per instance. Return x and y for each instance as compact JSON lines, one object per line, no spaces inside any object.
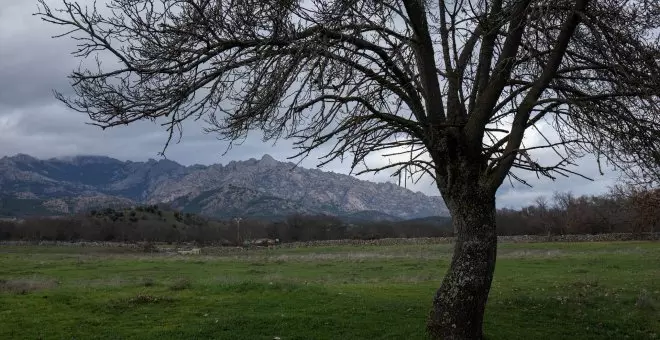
{"x":148,"y":247}
{"x":181,"y":284}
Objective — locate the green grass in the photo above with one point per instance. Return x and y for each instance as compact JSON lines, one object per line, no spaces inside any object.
{"x":540,"y":291}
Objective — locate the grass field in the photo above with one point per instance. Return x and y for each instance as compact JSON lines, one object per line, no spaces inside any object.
{"x":540,"y":291}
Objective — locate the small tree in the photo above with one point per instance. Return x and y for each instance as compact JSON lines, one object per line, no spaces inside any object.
{"x":451,"y":88}
{"x":543,"y":216}
{"x":643,"y":206}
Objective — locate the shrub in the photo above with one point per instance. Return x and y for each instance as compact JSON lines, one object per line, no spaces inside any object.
{"x":181,"y":284}
{"x":148,"y":247}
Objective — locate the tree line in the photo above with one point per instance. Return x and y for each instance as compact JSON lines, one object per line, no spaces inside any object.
{"x":624,"y":209}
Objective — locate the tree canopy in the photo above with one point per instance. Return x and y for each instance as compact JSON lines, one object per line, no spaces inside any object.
{"x":373,"y":75}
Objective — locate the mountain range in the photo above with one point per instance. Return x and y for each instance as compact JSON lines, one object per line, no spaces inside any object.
{"x":264,"y":188}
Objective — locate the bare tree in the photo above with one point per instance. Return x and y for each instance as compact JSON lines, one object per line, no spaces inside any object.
{"x":642,"y":203}
{"x":450,"y":88}
{"x":542,"y":215}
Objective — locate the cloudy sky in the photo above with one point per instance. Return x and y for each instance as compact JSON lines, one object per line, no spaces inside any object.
{"x":33,"y":122}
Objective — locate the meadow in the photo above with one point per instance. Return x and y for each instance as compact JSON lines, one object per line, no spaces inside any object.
{"x":595,"y":290}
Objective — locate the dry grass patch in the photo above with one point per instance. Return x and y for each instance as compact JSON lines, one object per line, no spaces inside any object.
{"x":348,"y":256}
{"x":25,"y":286}
{"x":527,"y":253}
{"x":113,"y":281}
{"x":645,"y":301}
{"x":138,"y":300}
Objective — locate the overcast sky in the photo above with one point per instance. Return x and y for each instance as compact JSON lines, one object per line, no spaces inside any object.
{"x":33,"y":122}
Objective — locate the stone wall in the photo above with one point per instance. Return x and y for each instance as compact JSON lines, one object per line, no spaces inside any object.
{"x":501,"y":239}
{"x":382,"y":242}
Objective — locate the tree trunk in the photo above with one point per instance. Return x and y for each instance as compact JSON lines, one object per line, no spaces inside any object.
{"x":459,"y":304}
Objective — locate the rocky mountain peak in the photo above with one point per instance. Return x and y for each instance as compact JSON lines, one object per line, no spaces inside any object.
{"x":267,"y":187}
{"x":268,"y":160}
{"x":85,"y":160}
{"x":23,"y":158}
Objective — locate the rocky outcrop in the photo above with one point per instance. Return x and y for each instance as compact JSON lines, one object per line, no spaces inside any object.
{"x":264,"y":187}
{"x":311,"y":189}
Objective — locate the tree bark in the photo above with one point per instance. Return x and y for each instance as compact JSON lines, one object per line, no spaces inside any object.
{"x":459,"y":304}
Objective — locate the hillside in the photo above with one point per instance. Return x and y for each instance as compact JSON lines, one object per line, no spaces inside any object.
{"x":251,"y":188}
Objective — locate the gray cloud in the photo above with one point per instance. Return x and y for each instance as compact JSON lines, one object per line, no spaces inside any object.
{"x":31,"y":63}
{"x":33,"y":122}
{"x":520,"y":195}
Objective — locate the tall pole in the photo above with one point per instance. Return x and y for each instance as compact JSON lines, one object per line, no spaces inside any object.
{"x":238,"y":230}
